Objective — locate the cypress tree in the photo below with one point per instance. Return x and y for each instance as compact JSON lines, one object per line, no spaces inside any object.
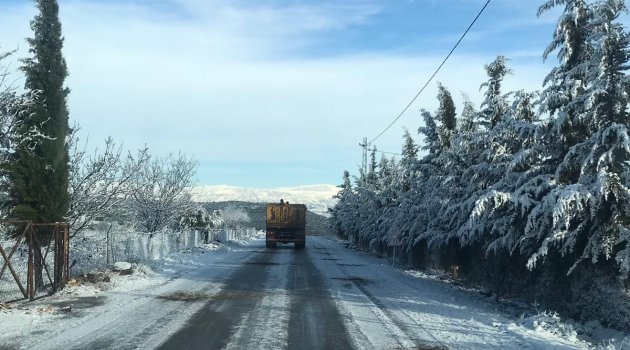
{"x":38,"y":171}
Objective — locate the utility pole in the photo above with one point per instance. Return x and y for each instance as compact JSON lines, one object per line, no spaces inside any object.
{"x":364,"y":145}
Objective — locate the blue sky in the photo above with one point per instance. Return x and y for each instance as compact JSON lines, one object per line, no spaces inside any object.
{"x":275,"y":93}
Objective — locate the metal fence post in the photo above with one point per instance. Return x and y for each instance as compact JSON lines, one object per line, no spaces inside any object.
{"x":66,"y":252}
{"x":57,"y":241}
{"x":30,"y":274}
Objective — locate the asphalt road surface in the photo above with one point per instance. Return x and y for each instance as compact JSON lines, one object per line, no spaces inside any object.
{"x":313,"y":319}
{"x":323,"y":297}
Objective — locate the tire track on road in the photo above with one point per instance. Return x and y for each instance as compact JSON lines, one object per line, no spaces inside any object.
{"x":213,"y":325}
{"x":265,"y":326}
{"x":315,"y":322}
{"x":404,"y":327}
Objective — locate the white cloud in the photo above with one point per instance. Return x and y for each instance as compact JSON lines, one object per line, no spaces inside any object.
{"x":214,"y":81}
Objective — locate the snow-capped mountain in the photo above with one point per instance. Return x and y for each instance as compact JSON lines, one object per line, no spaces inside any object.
{"x":318,"y":198}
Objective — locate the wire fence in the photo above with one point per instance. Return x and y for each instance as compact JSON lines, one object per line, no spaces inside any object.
{"x":33,"y":259}
{"x":96,"y":250}
{"x":9,"y":289}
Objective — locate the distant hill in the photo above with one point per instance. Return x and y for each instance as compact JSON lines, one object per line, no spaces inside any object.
{"x":315,"y":224}
{"x":318,"y":198}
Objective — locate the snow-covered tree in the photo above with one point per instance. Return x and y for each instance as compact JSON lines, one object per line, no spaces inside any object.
{"x":468,"y":122}
{"x":39,"y":173}
{"x":195,"y":218}
{"x":159,"y":191}
{"x":100,"y":183}
{"x":408,"y":160}
{"x":372,"y":174}
{"x":234,"y":216}
{"x":431,"y":136}
{"x":446,"y":115}
{"x":15,"y":113}
{"x":523,"y":107}
{"x":531,"y":175}
{"x":494,"y":106}
{"x":586,"y":214}
{"x":566,"y":83}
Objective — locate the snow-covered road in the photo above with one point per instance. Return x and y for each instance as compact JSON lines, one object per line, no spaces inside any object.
{"x":323,"y":297}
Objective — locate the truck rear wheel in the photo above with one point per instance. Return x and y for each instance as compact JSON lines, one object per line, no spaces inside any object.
{"x":300,"y":245}
{"x":270,"y":244}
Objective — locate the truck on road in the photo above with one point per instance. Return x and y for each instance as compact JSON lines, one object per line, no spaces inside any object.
{"x":286,"y":223}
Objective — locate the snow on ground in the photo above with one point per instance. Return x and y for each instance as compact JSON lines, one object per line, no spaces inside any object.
{"x":382,"y":307}
{"x":440,"y":313}
{"x":166,"y":294}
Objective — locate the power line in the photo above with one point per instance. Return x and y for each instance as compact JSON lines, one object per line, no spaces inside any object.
{"x":434,"y":73}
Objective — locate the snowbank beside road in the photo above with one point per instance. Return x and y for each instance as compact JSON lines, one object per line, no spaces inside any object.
{"x":122,"y":306}
{"x":385,"y":306}
{"x":381,"y":307}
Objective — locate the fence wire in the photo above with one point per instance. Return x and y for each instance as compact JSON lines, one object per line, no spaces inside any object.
{"x":97,"y":250}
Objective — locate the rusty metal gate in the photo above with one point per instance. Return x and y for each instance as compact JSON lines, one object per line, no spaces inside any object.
{"x":36,"y":258}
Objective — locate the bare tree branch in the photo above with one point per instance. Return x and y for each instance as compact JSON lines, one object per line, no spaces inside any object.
{"x":100,"y":184}
{"x":160,"y":195}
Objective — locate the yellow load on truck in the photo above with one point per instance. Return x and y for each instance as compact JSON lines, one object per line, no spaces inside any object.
{"x":286,"y":223}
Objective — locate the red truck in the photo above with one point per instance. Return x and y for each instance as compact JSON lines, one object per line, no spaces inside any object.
{"x":286,"y":223}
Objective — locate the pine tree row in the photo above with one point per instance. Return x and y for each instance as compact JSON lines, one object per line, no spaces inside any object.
{"x":528,"y":177}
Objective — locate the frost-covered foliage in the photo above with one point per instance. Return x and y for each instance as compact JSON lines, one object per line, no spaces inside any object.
{"x":446,"y":114}
{"x":196,"y":218}
{"x":14,"y":113}
{"x":494,"y":106}
{"x":529,"y":176}
{"x":159,"y":191}
{"x":234,"y":216}
{"x":100,"y":183}
{"x":432,"y":142}
{"x":148,"y":192}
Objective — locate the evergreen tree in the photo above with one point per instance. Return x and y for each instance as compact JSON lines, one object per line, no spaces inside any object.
{"x":38,"y":172}
{"x":547,"y":178}
{"x":384,"y":168}
{"x":566,"y":83}
{"x":586,"y":213}
{"x":494,"y":105}
{"x":608,"y":95}
{"x":430,"y":131}
{"x":523,"y":106}
{"x":372,"y":175}
{"x":468,"y":122}
{"x":409,"y":157}
{"x":338,"y":212}
{"x":387,"y":177}
{"x":14,"y":113}
{"x":446,"y":115}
